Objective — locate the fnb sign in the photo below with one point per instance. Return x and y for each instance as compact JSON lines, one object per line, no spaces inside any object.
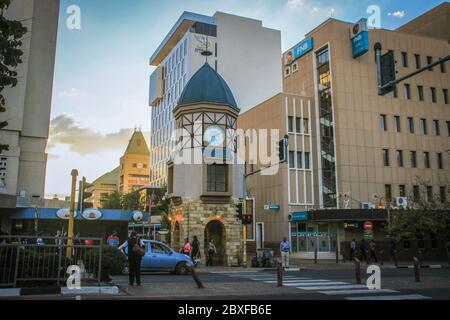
{"x":299,"y":51}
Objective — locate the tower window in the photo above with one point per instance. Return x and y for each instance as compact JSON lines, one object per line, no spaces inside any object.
{"x":217,"y":177}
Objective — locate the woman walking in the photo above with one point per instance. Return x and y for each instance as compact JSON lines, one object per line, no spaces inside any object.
{"x":135,"y":253}
{"x":211,"y":252}
{"x":195,"y":250}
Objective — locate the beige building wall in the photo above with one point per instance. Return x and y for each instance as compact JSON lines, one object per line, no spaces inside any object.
{"x":357,"y":109}
{"x":29,"y":103}
{"x":106,"y":184}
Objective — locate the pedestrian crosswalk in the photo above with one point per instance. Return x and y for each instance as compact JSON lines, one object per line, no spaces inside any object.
{"x":339,"y":289}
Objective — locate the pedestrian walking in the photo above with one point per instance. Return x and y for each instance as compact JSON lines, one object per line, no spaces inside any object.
{"x":39,"y":239}
{"x":372,"y":248}
{"x":362,"y":250}
{"x":135,"y":252}
{"x":195,"y":250}
{"x":352,"y":249}
{"x":187,"y":247}
{"x":392,"y":250}
{"x":285,"y":248}
{"x":113,"y":240}
{"x":211,"y":252}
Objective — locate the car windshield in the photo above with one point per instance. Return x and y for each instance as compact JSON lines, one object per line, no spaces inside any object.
{"x":159,"y":248}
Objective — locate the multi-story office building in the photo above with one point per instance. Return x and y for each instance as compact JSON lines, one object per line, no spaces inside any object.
{"x":243,"y":52}
{"x":22,"y":168}
{"x":103,"y":186}
{"x":350,"y":149}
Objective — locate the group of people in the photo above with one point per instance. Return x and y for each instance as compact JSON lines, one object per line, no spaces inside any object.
{"x":370,"y":248}
{"x":193,"y":250}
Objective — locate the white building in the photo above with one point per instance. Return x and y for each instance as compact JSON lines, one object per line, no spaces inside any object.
{"x":22,"y":168}
{"x":246,"y":54}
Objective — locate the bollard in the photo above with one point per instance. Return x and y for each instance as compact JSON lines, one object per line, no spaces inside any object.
{"x":416,"y":269}
{"x":196,"y":278}
{"x":358,"y":271}
{"x":280,"y":275}
{"x":315,"y":256}
{"x":381,"y":257}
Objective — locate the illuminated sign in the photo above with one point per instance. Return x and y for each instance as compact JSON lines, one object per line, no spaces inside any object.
{"x":299,"y":51}
{"x":92,"y":214}
{"x":359,"y":35}
{"x":65,"y":213}
{"x":138,"y":216}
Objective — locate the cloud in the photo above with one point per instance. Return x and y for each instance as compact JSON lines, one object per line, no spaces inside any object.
{"x":71,"y":93}
{"x":292,"y":4}
{"x":397,"y":14}
{"x":65,"y":130}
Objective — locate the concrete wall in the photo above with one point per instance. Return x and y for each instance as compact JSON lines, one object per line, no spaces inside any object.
{"x":248,"y":59}
{"x":29,"y":104}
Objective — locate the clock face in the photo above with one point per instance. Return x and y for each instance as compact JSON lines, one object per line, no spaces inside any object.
{"x":214,"y":136}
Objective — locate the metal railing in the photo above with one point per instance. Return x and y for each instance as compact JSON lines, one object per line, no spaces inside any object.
{"x":25,"y":259}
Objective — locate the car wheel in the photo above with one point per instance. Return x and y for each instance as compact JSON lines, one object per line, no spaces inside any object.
{"x":180,"y":269}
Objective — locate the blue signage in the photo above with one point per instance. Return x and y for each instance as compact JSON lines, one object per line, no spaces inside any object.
{"x":299,"y":50}
{"x":299,"y":216}
{"x":360,"y":44}
{"x":274,"y":207}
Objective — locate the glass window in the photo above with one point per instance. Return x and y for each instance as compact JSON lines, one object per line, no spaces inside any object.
{"x":217,"y":178}
{"x":448,"y":128}
{"x":440,"y":162}
{"x":433,"y":94}
{"x":397,"y":127}
{"x":430,"y":195}
{"x":413,"y":156}
{"x":400,"y":158}
{"x":423,"y":123}
{"x":426,"y":159}
{"x":383,"y":122}
{"x":443,"y":194}
{"x":416,"y":193}
{"x":407,"y":91}
{"x":404,"y":59}
{"x":386,"y":157}
{"x":159,"y":248}
{"x":291,"y":159}
{"x":437,"y":131}
{"x":411,"y":124}
{"x":307,"y":160}
{"x":420,"y":92}
{"x":402,"y":190}
{"x":430,"y":61}
{"x":443,"y":68}
{"x":306,"y":126}
{"x":445,"y":95}
{"x":298,"y":125}
{"x":418,"y":63}
{"x":299,"y":160}
{"x":290,"y":124}
{"x":388,"y":192}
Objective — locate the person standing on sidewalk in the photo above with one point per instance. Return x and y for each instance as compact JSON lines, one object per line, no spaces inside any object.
{"x":362,"y":250}
{"x":352,"y":249}
{"x":392,"y":250}
{"x":134,"y":258}
{"x":372,"y":248}
{"x":285,"y":248}
{"x":211,"y":252}
{"x":187,"y":247}
{"x":195,"y":250}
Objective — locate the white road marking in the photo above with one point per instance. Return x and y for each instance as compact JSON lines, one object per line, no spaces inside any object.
{"x":332,"y":287}
{"x":355,"y":292}
{"x":317,"y":284}
{"x":399,"y":297}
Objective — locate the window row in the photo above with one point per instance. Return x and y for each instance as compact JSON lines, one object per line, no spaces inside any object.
{"x":399,"y":156}
{"x":299,"y":160}
{"x":410,"y":126}
{"x":418,"y":62}
{"x":297,"y":125}
{"x":416,"y":193}
{"x":421,"y":94}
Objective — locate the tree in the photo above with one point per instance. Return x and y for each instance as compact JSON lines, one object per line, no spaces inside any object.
{"x":112,"y":201}
{"x":11,"y":34}
{"x":133,"y":201}
{"x":426,"y":217}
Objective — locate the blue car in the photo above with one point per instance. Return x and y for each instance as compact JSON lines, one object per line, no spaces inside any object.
{"x":160,"y":257}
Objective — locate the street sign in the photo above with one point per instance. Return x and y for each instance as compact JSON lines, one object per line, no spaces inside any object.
{"x":299,"y":216}
{"x":368,"y":235}
{"x":272,"y":207}
{"x":368,"y":226}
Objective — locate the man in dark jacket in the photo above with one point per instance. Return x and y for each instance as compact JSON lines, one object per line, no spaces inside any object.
{"x":134,"y":259}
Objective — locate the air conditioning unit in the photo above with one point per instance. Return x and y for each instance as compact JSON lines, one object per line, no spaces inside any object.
{"x":368,"y":205}
{"x":402,"y":202}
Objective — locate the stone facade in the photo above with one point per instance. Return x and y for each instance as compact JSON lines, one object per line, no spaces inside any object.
{"x":194,"y":217}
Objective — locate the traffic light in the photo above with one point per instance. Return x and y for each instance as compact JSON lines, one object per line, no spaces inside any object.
{"x":247,"y":219}
{"x":283,"y":145}
{"x":240,"y":211}
{"x":83,"y":194}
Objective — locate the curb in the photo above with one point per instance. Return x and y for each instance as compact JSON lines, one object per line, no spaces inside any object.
{"x":17,"y":292}
{"x":433,"y":266}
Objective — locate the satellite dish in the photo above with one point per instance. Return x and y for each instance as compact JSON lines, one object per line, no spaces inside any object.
{"x":374,"y":196}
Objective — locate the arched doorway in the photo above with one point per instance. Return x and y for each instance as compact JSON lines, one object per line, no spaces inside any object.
{"x":176,"y":244}
{"x":216,"y":230}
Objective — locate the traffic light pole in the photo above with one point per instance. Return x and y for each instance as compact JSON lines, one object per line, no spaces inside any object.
{"x":382,"y":87}
{"x":71,"y":215}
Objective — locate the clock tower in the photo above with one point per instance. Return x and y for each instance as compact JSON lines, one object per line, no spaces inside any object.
{"x":204,"y":174}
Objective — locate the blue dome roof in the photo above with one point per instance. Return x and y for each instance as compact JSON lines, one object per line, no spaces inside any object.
{"x":207,"y":86}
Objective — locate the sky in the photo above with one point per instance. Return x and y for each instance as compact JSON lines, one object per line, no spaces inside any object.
{"x":100,"y":90}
